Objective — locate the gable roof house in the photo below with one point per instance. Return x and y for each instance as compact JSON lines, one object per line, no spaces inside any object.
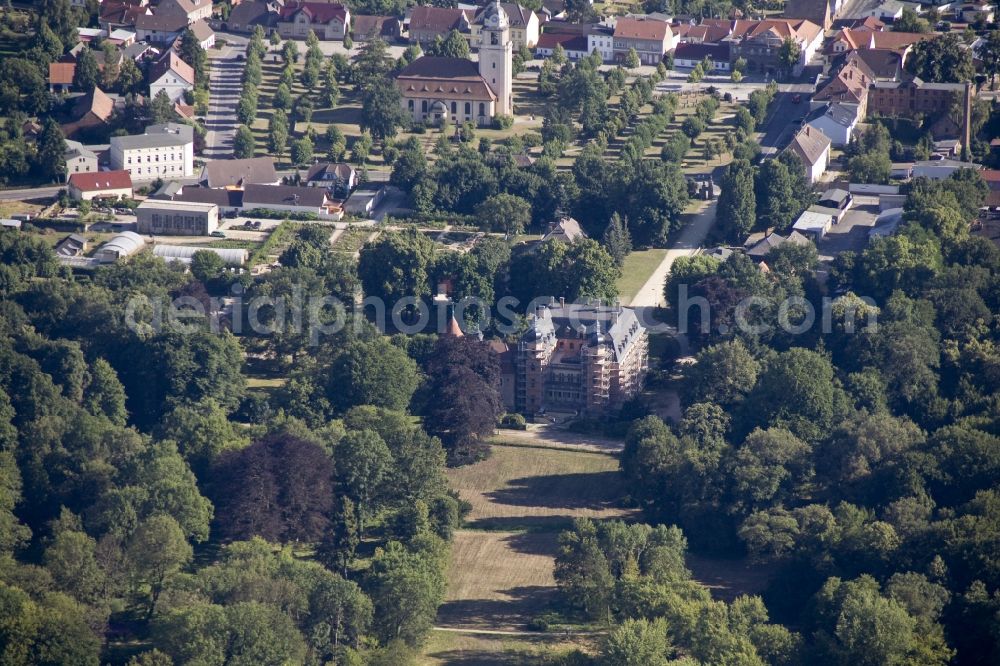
{"x":61,"y":76}
{"x":93,"y":109}
{"x":100,"y":184}
{"x":329,"y":20}
{"x":236,"y":174}
{"x":288,"y":198}
{"x":813,"y":148}
{"x":203,"y":33}
{"x":121,"y":14}
{"x":848,"y":86}
{"x":365,"y":28}
{"x":427,"y":23}
{"x":837,"y":121}
{"x":247,"y":15}
{"x":191,"y":10}
{"x":819,"y":12}
{"x":524,"y":25}
{"x":652,"y":39}
{"x":690,"y":54}
{"x":339,"y":178}
{"x":79,"y":159}
{"x":172,"y":75}
{"x":161,"y":27}
{"x":759,"y":42}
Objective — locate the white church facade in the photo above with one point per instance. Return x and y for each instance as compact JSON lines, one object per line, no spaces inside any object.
{"x":434,"y":88}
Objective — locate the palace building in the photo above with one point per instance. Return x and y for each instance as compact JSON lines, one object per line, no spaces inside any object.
{"x":435,"y":89}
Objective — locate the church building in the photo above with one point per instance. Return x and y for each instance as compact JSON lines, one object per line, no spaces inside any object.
{"x":435,"y":88}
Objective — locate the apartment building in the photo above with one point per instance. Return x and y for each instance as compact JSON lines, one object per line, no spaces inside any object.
{"x":651,"y":38}
{"x":164,"y":151}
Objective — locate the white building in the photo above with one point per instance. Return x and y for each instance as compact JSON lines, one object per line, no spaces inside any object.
{"x":171,"y":74}
{"x":837,"y":121}
{"x":164,"y":151}
{"x":813,"y":149}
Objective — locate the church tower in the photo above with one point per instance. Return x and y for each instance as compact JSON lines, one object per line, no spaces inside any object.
{"x":496,"y":57}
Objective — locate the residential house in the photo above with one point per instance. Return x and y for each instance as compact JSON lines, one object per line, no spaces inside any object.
{"x":246,"y":16}
{"x":704,"y":33}
{"x":579,"y":358}
{"x":690,"y":54}
{"x":848,"y":86}
{"x":161,"y":27}
{"x":191,"y":10}
{"x":329,"y":20}
{"x":61,"y":76}
{"x":757,"y":245}
{"x":79,"y":159}
{"x":813,"y":149}
{"x":565,"y":230}
{"x":427,"y":23}
{"x":203,"y":33}
{"x":171,"y":75}
{"x":91,"y":110}
{"x":339,"y":178}
{"x":975,"y":11}
{"x":760,"y":42}
{"x":164,"y":151}
{"x":236,"y":174}
{"x":122,"y":38}
{"x":119,"y":14}
{"x":100,"y":185}
{"x":819,"y":12}
{"x":287,"y":198}
{"x":182,"y":218}
{"x":992,"y":178}
{"x":853,"y":39}
{"x":651,"y":39}
{"x":836,"y":120}
{"x":573,"y":43}
{"x":884,"y":64}
{"x":365,"y":28}
{"x":524,"y":25}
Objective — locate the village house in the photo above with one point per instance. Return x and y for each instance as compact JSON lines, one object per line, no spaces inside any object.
{"x":329,"y":20}
{"x":579,"y":358}
{"x":366,"y":28}
{"x":428,"y":23}
{"x":574,"y":44}
{"x":100,"y":185}
{"x":524,"y":25}
{"x":236,"y":174}
{"x":90,"y":111}
{"x":246,"y":16}
{"x":652,"y":39}
{"x":436,"y":88}
{"x":79,"y":159}
{"x":339,"y":178}
{"x":161,"y":27}
{"x":820,"y":12}
{"x":164,"y":151}
{"x":812,"y":147}
{"x":690,"y":54}
{"x":171,"y":75}
{"x":577,"y":40}
{"x":288,"y":198}
{"x":191,"y":10}
{"x":203,"y":33}
{"x":228,"y":201}
{"x":848,"y":86}
{"x":116,"y":15}
{"x":61,"y":76}
{"x":837,"y":121}
{"x":760,"y":42}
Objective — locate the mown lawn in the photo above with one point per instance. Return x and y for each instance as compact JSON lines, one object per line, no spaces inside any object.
{"x":636,"y":271}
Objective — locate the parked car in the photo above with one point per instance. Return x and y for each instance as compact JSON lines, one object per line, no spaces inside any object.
{"x":218,"y":234}
{"x":796,"y":98}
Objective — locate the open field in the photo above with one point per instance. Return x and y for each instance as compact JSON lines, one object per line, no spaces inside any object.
{"x":636,"y":271}
{"x":521,"y":487}
{"x":457,"y":649}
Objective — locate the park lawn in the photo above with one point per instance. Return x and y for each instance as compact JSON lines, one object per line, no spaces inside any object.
{"x":454,"y":649}
{"x":638,"y":267}
{"x":265,"y":383}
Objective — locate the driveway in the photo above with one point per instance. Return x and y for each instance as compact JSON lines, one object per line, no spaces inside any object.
{"x":224,"y":86}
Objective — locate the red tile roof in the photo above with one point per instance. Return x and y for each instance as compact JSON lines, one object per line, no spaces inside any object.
{"x":61,"y":73}
{"x":99,"y":181}
{"x":642,"y":28}
{"x":437,"y":19}
{"x":171,"y":61}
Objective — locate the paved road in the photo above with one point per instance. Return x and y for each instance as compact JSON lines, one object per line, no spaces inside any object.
{"x":31,"y":193}
{"x":224,"y":86}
